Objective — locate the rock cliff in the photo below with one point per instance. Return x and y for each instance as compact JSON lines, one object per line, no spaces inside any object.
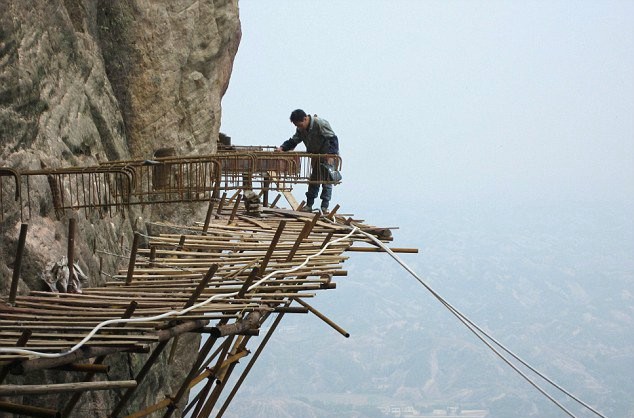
{"x":88,"y":81}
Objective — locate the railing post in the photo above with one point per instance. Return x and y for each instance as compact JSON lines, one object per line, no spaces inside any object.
{"x":70,"y":254}
{"x":135,"y":247}
{"x":17,"y":266}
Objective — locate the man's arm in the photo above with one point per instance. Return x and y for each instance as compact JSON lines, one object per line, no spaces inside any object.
{"x":290,"y":143}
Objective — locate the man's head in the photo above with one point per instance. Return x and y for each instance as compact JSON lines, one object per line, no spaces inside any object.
{"x":300,"y":119}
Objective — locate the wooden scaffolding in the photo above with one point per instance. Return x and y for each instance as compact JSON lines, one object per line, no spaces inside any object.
{"x":222,"y":277}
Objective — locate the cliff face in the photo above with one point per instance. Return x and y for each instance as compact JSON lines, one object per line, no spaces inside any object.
{"x":87,"y":81}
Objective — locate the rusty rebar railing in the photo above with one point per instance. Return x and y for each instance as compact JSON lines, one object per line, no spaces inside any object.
{"x":114,"y":185}
{"x":171,"y":180}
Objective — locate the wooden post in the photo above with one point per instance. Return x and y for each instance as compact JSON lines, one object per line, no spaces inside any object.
{"x":152,"y":255}
{"x":308,"y":227}
{"x":210,"y":210}
{"x":221,"y":204}
{"x":274,"y":202}
{"x":274,"y":241}
{"x":235,"y":209}
{"x":135,"y":247}
{"x":26,"y":334}
{"x":17,"y":266}
{"x":332,"y":213}
{"x":266,"y":182}
{"x":181,"y":243}
{"x":70,"y":255}
{"x":192,"y":300}
{"x":202,"y":285}
{"x":248,"y":282}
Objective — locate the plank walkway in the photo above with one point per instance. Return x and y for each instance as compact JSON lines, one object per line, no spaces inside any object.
{"x":229,"y":274}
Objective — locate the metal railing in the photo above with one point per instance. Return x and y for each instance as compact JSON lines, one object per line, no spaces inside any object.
{"x":115,"y":185}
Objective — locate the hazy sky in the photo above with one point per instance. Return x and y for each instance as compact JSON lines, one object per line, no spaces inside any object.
{"x":462,"y":102}
{"x":447,"y":100}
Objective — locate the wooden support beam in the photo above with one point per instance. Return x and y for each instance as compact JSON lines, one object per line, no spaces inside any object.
{"x":308,"y":227}
{"x":247,"y":369}
{"x":201,"y":286}
{"x":323,"y":317}
{"x":221,"y":375}
{"x":235,"y":209}
{"x":89,"y":352}
{"x":72,"y":284}
{"x":210,"y":210}
{"x":248,"y":282}
{"x":21,"y":390}
{"x":291,"y":200}
{"x":138,"y":379}
{"x":17,"y":266}
{"x":85,"y":367}
{"x":150,"y":409}
{"x":250,"y":322}
{"x":221,"y":205}
{"x":26,"y":334}
{"x":274,"y":202}
{"x":272,"y":246}
{"x":381,"y":250}
{"x":28,"y":410}
{"x":135,"y":246}
{"x":202,"y":354}
{"x":98,"y":362}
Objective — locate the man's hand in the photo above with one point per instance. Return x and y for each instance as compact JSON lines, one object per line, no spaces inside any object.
{"x":279,"y":149}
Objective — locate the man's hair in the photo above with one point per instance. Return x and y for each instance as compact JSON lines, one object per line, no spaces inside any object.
{"x":297,"y":115}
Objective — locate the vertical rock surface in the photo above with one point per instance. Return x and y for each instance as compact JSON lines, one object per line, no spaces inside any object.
{"x":87,"y":81}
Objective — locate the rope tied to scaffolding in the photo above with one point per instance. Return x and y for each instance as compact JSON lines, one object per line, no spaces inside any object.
{"x":484,"y":336}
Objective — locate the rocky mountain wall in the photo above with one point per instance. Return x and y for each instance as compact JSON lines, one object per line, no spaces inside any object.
{"x":88,"y":81}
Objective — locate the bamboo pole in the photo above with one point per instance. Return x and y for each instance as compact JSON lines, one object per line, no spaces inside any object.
{"x":26,"y":334}
{"x":72,"y":285}
{"x":323,"y":317}
{"x":192,"y":373}
{"x":31,"y":411}
{"x":21,"y":390}
{"x":17,"y":267}
{"x":153,"y":408}
{"x":247,"y":369}
{"x":135,"y":246}
{"x":139,"y":378}
{"x":68,"y":409}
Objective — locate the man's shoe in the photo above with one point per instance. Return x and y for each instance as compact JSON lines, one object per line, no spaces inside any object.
{"x":324,"y":210}
{"x":307,"y":209}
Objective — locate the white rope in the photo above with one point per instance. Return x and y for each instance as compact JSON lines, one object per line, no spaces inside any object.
{"x":482,"y":335}
{"x":170,"y":313}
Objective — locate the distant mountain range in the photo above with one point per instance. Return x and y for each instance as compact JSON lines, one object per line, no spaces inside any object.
{"x":555,"y":285}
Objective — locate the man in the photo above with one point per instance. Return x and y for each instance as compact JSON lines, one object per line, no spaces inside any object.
{"x":319,"y":138}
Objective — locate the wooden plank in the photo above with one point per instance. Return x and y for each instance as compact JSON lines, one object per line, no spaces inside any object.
{"x":21,"y":390}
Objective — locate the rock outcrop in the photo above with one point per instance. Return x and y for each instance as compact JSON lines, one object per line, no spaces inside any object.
{"x":88,"y":81}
